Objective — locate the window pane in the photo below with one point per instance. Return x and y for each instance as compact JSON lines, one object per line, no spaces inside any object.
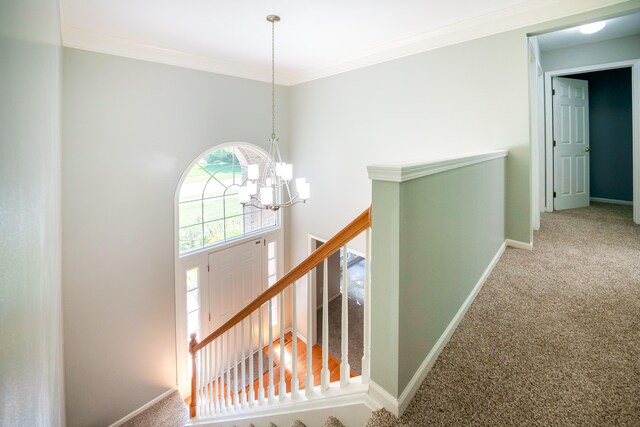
{"x":213,"y":231}
{"x":208,"y":196}
{"x":232,"y":206}
{"x":193,"y":322}
{"x":214,"y":189}
{"x":193,"y":184}
{"x":271,"y":250}
{"x":190,"y":213}
{"x":234,"y":226}
{"x":272,"y":280}
{"x":190,"y":238}
{"x":252,"y":221}
{"x":193,"y":300}
{"x":268,"y":218}
{"x":213,"y":209}
{"x":271,"y":266}
{"x":192,"y":279}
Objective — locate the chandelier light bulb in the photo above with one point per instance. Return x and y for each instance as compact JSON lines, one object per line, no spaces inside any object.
{"x":253,"y":172}
{"x":243,"y":195}
{"x":252,"y":188}
{"x":266,"y":196}
{"x":287,"y":171}
{"x":304,"y":191}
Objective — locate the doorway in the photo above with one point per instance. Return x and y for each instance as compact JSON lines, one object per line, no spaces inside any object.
{"x":571,"y":181}
{"x":355,"y":265}
{"x":235,"y":279}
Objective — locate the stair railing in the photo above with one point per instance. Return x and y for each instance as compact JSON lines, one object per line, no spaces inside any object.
{"x":215,"y":358}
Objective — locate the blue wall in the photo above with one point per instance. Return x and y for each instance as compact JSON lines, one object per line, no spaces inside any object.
{"x":611,"y":133}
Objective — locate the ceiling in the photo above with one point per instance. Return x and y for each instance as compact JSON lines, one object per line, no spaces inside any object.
{"x":621,"y":26}
{"x":314,"y":38}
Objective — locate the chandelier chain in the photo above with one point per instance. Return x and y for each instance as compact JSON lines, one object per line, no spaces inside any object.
{"x":273,"y":79}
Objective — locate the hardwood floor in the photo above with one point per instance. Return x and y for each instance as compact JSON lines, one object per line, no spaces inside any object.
{"x":316,"y":362}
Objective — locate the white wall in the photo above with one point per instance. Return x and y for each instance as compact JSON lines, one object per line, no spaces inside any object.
{"x":31,"y":387}
{"x":130,"y":128}
{"x":622,"y":49}
{"x":464,"y":98}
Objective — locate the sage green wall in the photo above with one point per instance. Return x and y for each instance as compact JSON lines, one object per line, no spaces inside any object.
{"x":451,"y":226}
{"x":31,"y":386}
{"x":428,"y":255}
{"x":130,"y":128}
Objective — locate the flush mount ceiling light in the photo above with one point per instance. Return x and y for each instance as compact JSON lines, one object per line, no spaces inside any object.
{"x":270,"y":188}
{"x":594,"y":27}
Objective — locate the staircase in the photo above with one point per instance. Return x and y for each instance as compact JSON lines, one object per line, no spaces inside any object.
{"x":294,"y":380}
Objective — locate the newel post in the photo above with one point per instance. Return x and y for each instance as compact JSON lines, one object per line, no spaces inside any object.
{"x":192,"y":406}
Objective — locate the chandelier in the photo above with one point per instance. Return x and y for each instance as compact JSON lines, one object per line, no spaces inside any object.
{"x":270,"y":188}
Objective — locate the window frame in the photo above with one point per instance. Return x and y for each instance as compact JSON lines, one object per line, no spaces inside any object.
{"x":226,"y":242}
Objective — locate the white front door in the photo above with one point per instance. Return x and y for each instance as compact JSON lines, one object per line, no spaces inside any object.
{"x":571,"y":143}
{"x":235,"y":279}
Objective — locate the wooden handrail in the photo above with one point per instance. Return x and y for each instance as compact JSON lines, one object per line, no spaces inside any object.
{"x":355,"y":227}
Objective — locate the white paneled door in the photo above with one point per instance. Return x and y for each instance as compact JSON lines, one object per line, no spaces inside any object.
{"x":571,"y":143}
{"x":235,"y":279}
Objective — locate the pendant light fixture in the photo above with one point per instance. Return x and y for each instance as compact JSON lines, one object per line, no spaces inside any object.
{"x":270,"y":188}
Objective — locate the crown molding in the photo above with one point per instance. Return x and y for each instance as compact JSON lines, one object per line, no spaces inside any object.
{"x":524,"y":14}
{"x":87,"y":40}
{"x":402,"y":172}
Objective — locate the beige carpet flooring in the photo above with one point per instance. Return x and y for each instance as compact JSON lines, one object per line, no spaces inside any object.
{"x":552,"y":339}
{"x":169,"y":412}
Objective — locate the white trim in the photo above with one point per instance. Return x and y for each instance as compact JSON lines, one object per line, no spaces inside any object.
{"x":635,"y":93}
{"x":519,"y":245}
{"x":612,"y":201}
{"x":399,"y":405}
{"x":402,"y":172}
{"x":526,"y":13}
{"x":355,"y":393}
{"x":143,"y":408}
{"x":384,"y":398}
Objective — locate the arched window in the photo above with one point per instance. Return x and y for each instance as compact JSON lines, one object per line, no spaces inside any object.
{"x":208,"y":209}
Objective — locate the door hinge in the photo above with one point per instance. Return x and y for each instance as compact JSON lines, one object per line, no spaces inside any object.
{"x":554,"y":194}
{"x":553,"y":91}
{"x":208,"y":267}
{"x":209,"y":317}
{"x":554,"y":142}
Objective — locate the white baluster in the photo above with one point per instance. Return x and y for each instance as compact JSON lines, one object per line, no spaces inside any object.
{"x":366,"y":354}
{"x":244,"y":372}
{"x":228,"y":385}
{"x":345,"y":369}
{"x":198,"y":382}
{"x":270,"y":327}
{"x":252,"y":391}
{"x":308,"y":387}
{"x":216,"y":396}
{"x":236,"y":396}
{"x":294,"y":343}
{"x":206,"y":380}
{"x":223,"y":405}
{"x":282,"y":388}
{"x":325,"y":375}
{"x":260,"y":362}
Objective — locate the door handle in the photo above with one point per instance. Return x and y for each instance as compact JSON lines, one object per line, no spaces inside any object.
{"x":587,"y":149}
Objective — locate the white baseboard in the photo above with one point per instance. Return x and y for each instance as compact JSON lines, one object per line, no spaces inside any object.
{"x":519,"y":245}
{"x":612,"y":201}
{"x":143,"y":408}
{"x":398,"y":406}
